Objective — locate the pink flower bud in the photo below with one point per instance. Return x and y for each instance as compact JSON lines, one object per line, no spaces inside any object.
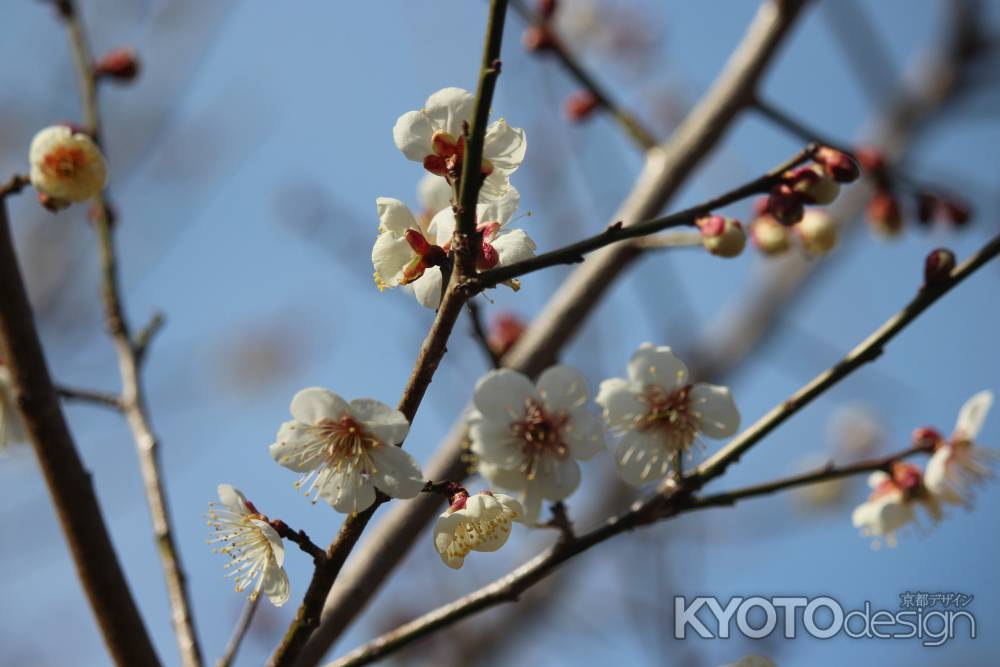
{"x":537,"y":38}
{"x":838,"y":165}
{"x":785,"y":205}
{"x":119,"y":64}
{"x":813,"y":184}
{"x":580,"y":105}
{"x":723,"y":237}
{"x":883,"y":214}
{"x":938,"y":266}
{"x":768,"y":236}
{"x":925,"y":436}
{"x":817,"y":232}
{"x":871,"y":159}
{"x":505,"y":330}
{"x":957,"y":212}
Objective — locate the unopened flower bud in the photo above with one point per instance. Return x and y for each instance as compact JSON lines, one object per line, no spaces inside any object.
{"x":52,"y":204}
{"x":785,"y":205}
{"x":537,"y":38}
{"x":957,"y":212}
{"x":768,"y":236}
{"x":926,"y":436}
{"x":927,"y":207}
{"x":817,"y":231}
{"x":838,"y":165}
{"x":938,"y":266}
{"x":66,"y":165}
{"x":505,"y":330}
{"x":883,"y":214}
{"x":119,"y":65}
{"x":581,"y":105}
{"x":812,"y":183}
{"x":870,"y":159}
{"x":547,"y":8}
{"x":722,"y":236}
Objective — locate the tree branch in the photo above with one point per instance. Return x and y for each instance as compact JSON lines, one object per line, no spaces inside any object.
{"x":133,"y":399}
{"x":90,"y":396}
{"x":68,"y":481}
{"x":239,"y":632}
{"x":480,"y":335}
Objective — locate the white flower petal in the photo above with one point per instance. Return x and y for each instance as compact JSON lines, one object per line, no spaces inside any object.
{"x":233,"y":499}
{"x":448,"y":107}
{"x":493,"y":442}
{"x":563,"y":388}
{"x":275,"y":585}
{"x":412,"y":134}
{"x":501,"y":476}
{"x":657,"y":366}
{"x":434,"y":192}
{"x":396,"y":472}
{"x":500,"y":395}
{"x":314,"y":404}
{"x":557,"y":478}
{"x":296,"y":449}
{"x":388,"y":425}
{"x":273,"y":539}
{"x":504,"y":146}
{"x":391,"y":254}
{"x":441,"y":227}
{"x":394,"y":216}
{"x":500,"y":210}
{"x":495,"y":186}
{"x":427,"y":288}
{"x":584,"y":434}
{"x":513,"y":246}
{"x":642,"y":458}
{"x":973,"y":414}
{"x":347,"y":490}
{"x":715,"y":409}
{"x":622,"y":403}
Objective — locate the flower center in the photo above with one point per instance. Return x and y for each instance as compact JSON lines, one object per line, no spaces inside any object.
{"x":64,"y":161}
{"x":347,"y":443}
{"x":448,"y":154}
{"x":671,"y":414}
{"x":539,"y":434}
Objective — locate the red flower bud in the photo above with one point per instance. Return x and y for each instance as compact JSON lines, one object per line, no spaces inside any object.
{"x":537,"y":38}
{"x":957,"y":212}
{"x":838,"y":165}
{"x":547,"y":8}
{"x":785,"y":205}
{"x":505,"y":330}
{"x":938,"y":266}
{"x":580,"y":105}
{"x":927,"y":207}
{"x":883,"y":214}
{"x":926,"y":436}
{"x":813,"y":184}
{"x":870,"y":159}
{"x":119,"y":64}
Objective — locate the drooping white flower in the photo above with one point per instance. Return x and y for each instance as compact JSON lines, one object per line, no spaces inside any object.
{"x":254,"y":547}
{"x":528,"y":437}
{"x":658,"y":413}
{"x":959,"y":464}
{"x":406,"y":252}
{"x":481,"y":522}
{"x":66,"y":165}
{"x":11,"y":424}
{"x":433,"y":136}
{"x":752,"y":661}
{"x":892,"y":504}
{"x":347,"y":450}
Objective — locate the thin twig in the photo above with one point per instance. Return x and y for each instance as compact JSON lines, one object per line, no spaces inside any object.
{"x":456,"y":294}
{"x":133,"y":397}
{"x":14,"y":184}
{"x":510,"y":587}
{"x":617,"y":232}
{"x":480,"y":335}
{"x":68,"y":481}
{"x":239,"y":632}
{"x":104,"y":399}
{"x":145,"y":337}
{"x":628,"y":122}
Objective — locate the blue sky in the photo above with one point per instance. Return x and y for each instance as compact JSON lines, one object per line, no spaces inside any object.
{"x":245,"y":164}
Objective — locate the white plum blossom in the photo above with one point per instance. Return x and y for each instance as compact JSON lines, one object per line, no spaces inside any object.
{"x":528,"y":437}
{"x":475,"y":523}
{"x":433,"y":136}
{"x":959,"y":464}
{"x":11,"y":424}
{"x":66,"y":165}
{"x":256,"y":551}
{"x":434,"y":193}
{"x":893,"y":503}
{"x":659,"y":413}
{"x":752,"y":661}
{"x":409,"y":253}
{"x":347,"y":450}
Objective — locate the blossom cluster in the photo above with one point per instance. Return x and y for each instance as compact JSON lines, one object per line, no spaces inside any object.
{"x":957,"y":465}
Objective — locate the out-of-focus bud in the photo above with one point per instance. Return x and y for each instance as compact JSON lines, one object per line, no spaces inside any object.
{"x":957,"y":212}
{"x":823,"y":495}
{"x":927,"y":436}
{"x":547,"y":8}
{"x":119,"y":65}
{"x":722,"y":236}
{"x":854,"y":431}
{"x":938,"y":266}
{"x":870,"y":159}
{"x":883,"y":214}
{"x":537,"y":38}
{"x":581,"y":105}
{"x":817,"y":232}
{"x":53,"y":204}
{"x":768,"y":236}
{"x":812,"y":183}
{"x":505,"y":331}
{"x":927,"y":207}
{"x":838,"y":165}
{"x":785,"y":205}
